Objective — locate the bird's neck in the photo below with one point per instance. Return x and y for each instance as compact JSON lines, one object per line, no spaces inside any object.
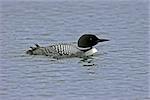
{"x":88,"y":51}
{"x":91,"y":52}
{"x":84,"y":49}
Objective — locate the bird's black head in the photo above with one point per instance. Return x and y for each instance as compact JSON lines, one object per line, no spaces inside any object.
{"x":89,"y":40}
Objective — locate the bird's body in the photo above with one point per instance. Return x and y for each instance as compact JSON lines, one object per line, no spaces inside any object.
{"x":83,"y":48}
{"x":61,"y":50}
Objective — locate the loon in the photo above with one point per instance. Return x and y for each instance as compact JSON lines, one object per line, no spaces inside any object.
{"x":83,"y":48}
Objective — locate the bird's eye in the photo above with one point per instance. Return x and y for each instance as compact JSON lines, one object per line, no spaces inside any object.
{"x":90,"y":39}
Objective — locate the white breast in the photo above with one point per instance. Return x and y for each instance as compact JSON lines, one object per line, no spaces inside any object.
{"x":91,"y":52}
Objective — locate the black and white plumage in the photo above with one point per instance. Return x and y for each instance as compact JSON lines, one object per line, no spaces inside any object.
{"x":64,"y":49}
{"x":83,"y":48}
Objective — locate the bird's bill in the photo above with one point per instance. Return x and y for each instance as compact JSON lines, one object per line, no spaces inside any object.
{"x":102,"y":40}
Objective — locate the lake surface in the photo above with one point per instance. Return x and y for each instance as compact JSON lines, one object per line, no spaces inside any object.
{"x":120,"y":70}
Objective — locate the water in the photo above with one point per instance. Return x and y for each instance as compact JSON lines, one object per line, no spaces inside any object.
{"x":118,"y":72}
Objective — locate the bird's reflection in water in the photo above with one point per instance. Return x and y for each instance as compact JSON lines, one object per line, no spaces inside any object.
{"x":89,"y":64}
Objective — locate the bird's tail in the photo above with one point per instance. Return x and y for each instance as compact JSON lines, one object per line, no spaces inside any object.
{"x":35,"y":50}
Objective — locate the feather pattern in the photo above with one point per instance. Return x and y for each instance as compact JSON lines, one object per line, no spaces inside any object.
{"x":55,"y":50}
